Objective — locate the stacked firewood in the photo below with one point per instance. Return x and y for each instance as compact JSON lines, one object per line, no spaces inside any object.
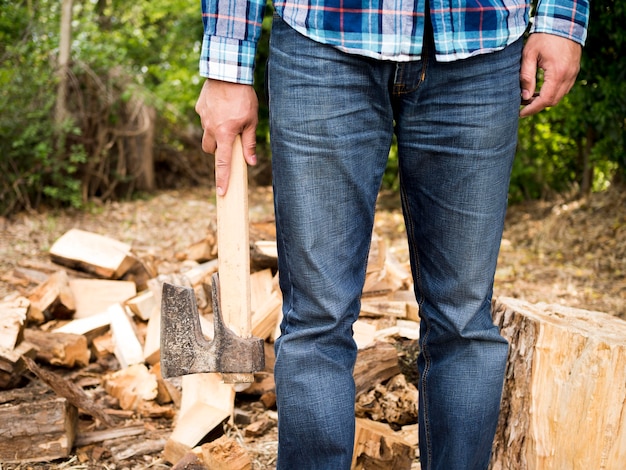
{"x":80,"y":347}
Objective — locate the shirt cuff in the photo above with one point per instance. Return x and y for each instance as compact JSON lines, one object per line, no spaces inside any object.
{"x":227,"y":59}
{"x":566,"y":19}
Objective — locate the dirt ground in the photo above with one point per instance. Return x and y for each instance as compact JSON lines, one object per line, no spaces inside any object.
{"x":566,"y":252}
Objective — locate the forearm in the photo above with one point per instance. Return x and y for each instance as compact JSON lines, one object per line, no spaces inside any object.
{"x":231,"y":32}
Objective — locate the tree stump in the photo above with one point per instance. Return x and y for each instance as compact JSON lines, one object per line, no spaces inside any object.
{"x":564,"y":400}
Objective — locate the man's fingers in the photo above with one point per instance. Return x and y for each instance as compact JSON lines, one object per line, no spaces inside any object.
{"x":528,"y":76}
{"x":227,"y":109}
{"x":559,"y":58}
{"x":208,"y":143}
{"x":248,"y":143}
{"x":533,"y":106}
{"x":223,"y":156}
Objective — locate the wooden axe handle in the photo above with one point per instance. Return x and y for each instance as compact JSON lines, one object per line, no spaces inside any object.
{"x":233,"y":250}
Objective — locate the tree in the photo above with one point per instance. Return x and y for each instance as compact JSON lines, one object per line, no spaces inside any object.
{"x":63,"y":62}
{"x":580,"y":143}
{"x":127,"y":60}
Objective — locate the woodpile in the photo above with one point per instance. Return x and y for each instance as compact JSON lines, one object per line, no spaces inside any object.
{"x":80,"y":373}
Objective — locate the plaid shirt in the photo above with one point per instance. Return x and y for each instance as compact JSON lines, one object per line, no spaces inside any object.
{"x":382,"y":29}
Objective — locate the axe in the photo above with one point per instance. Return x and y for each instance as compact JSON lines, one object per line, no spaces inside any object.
{"x":232,"y":351}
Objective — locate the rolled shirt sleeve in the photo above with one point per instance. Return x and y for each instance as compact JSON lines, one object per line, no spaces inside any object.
{"x":565,"y":18}
{"x":231,"y":32}
{"x":461,"y":29}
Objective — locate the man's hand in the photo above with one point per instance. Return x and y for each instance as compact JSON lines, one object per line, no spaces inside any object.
{"x":559,"y":58}
{"x":227,"y":110}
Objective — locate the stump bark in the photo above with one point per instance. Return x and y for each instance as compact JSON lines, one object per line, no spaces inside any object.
{"x":564,"y":400}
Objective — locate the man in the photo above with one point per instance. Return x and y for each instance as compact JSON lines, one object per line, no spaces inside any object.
{"x":447,"y":79}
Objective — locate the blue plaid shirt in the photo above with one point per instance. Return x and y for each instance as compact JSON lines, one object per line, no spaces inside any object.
{"x":382,"y":29}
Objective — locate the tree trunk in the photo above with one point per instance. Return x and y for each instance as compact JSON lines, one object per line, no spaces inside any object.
{"x":587,"y":167}
{"x":65,"y":46}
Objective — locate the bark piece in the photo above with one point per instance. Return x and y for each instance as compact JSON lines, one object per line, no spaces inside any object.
{"x":259,"y":427}
{"x":190,"y":461}
{"x":59,"y":349}
{"x":93,"y":437}
{"x":12,"y":364}
{"x":97,"y":254}
{"x":378,"y":447}
{"x":375,"y":364}
{"x":52,"y":300}
{"x":269,"y":400}
{"x":36,"y":428}
{"x":564,"y":399}
{"x":72,"y":392}
{"x":264,"y":255}
{"x":134,"y":448}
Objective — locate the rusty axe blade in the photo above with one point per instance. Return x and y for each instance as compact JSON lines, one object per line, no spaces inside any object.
{"x":184,"y":350}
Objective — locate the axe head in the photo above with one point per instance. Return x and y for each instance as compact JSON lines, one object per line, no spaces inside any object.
{"x":184,"y":350}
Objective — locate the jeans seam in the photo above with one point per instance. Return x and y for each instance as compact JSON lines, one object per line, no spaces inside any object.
{"x":420,"y":302}
{"x":424,"y":351}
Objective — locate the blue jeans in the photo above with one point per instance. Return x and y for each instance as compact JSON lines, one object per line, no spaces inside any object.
{"x":332,"y":118}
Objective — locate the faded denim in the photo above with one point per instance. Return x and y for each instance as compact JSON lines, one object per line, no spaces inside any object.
{"x":332,"y":118}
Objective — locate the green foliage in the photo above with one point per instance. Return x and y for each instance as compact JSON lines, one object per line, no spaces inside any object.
{"x":580,"y":143}
{"x":155,"y":42}
{"x":34,"y":164}
{"x":263,"y":50}
{"x":539,"y":168}
{"x":391,"y":179}
{"x":120,"y":51}
{"x":148,"y":50}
